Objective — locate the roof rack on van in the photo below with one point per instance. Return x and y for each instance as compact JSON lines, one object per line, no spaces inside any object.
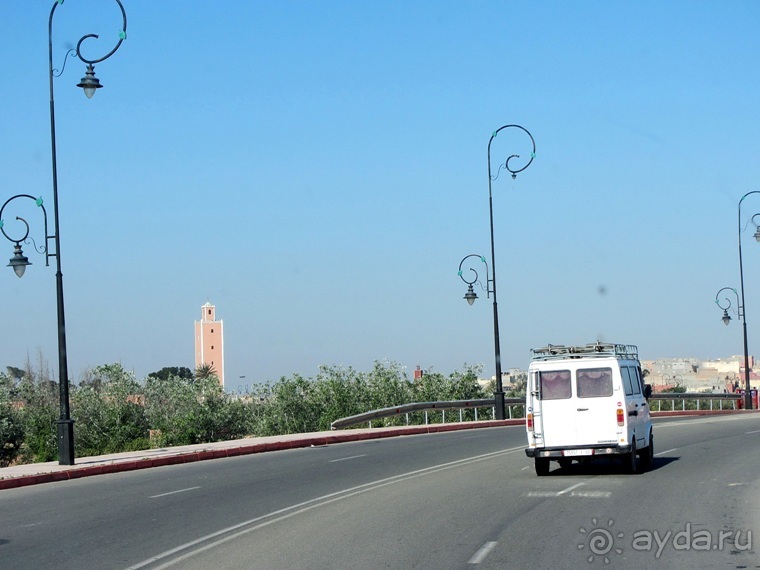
{"x":596,"y":349}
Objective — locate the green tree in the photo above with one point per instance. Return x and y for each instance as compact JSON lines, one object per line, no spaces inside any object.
{"x":15,"y":373}
{"x":340,"y":392}
{"x":11,"y":427}
{"x":38,"y":402}
{"x":187,"y":411}
{"x":109,"y":413}
{"x":176,"y":371}
{"x":292,"y":406}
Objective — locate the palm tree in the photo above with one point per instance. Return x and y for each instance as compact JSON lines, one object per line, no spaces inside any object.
{"x":204,"y":371}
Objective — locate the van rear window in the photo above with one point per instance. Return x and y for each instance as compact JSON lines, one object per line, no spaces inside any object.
{"x":594,"y":382}
{"x":555,"y":385}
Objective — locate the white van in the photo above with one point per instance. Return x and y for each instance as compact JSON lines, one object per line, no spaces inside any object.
{"x":587,"y":401}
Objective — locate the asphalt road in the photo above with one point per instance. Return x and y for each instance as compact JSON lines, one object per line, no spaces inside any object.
{"x":452,"y":500}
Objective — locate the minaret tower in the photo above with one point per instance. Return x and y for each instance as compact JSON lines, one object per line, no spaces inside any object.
{"x":209,"y":341}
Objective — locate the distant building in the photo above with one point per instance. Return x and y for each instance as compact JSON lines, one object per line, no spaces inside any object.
{"x":696,"y":375}
{"x":209,"y":341}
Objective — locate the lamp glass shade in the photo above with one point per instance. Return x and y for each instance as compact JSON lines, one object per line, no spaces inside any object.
{"x":19,"y":261}
{"x":470,"y":296}
{"x":726,"y":318}
{"x":89,"y":82}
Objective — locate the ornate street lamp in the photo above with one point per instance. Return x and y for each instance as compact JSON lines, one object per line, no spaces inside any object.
{"x":743,"y":305}
{"x":726,"y":318}
{"x":470,"y":296}
{"x":19,"y":262}
{"x":491,"y":283}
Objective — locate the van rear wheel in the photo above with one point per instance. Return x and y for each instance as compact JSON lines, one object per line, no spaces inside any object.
{"x":630,"y":461}
{"x":647,"y":455}
{"x":542,"y":466}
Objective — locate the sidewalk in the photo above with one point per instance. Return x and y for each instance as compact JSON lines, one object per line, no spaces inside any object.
{"x":36,"y":473}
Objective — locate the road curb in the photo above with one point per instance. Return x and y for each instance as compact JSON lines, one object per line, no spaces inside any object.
{"x":77,"y":472}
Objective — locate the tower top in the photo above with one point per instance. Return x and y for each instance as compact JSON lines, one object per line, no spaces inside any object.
{"x":208,"y":312}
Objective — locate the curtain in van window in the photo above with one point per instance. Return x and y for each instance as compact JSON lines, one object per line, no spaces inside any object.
{"x":594,"y":382}
{"x":555,"y":385}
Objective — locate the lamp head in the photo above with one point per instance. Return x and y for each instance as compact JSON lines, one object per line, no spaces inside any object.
{"x":470,"y":296}
{"x":89,"y":82}
{"x":757,"y":233}
{"x":726,"y":317}
{"x":19,"y":261}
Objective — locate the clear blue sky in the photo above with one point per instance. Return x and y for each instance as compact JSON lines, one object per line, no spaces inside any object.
{"x":317,"y":170}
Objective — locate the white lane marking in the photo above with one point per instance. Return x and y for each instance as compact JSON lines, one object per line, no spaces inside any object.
{"x":484,"y":551}
{"x":347,"y":458}
{"x":754,"y":431}
{"x":666,"y":451}
{"x":237,"y":530}
{"x":570,"y":489}
{"x":570,"y":492}
{"x":174,"y":492}
{"x":593,"y":494}
{"x":582,"y":494}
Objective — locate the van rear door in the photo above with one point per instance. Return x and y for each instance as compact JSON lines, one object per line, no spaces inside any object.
{"x":555,"y":403}
{"x":596,"y":406}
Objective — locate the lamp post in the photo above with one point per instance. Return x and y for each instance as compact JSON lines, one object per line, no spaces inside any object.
{"x":747,"y":394}
{"x":89,"y":83}
{"x":726,"y":318}
{"x":491,"y":283}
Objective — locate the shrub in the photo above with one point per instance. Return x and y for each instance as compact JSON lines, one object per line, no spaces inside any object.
{"x":109,"y":414}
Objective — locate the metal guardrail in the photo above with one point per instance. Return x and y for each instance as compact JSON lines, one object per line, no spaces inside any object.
{"x":660,"y":397}
{"x":406,"y":409}
{"x":425,"y":407}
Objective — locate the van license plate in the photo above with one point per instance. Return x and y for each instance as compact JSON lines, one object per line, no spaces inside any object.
{"x":577,"y":452}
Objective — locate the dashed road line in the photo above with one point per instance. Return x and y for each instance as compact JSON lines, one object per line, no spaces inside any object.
{"x":347,"y":458}
{"x":173,"y":492}
{"x":570,"y":488}
{"x":482,"y":552}
{"x":666,"y":451}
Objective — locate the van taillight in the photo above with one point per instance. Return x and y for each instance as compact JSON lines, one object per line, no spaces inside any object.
{"x":529,"y":420}
{"x":620,"y":416}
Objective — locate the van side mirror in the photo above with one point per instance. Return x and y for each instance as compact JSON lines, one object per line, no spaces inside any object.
{"x":647,"y":390}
